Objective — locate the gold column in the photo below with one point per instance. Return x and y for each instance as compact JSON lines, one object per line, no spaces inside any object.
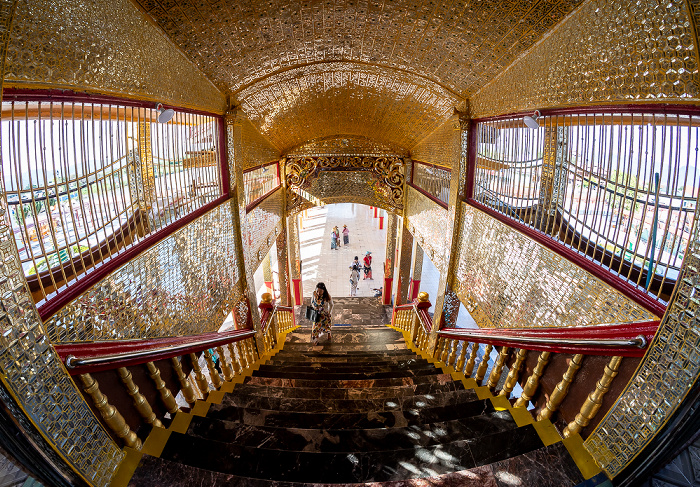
{"x":140,"y":401}
{"x":109,"y":413}
{"x":186,"y":386}
{"x":404,"y":263}
{"x":512,"y":377}
{"x":484,"y":365}
{"x":295,"y":263}
{"x":498,"y":368}
{"x":594,"y":401}
{"x":533,"y":381}
{"x":561,"y":390}
{"x":202,"y":381}
{"x":417,"y":264}
{"x":390,"y":261}
{"x":165,"y":394}
{"x":282,"y":251}
{"x":461,"y":129}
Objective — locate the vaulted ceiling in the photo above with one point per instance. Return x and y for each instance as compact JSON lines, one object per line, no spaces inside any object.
{"x":388,"y":69}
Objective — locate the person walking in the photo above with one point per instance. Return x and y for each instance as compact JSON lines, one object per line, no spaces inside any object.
{"x":346,"y":235}
{"x":334,"y":240}
{"x":337,"y":233}
{"x":323,"y":304}
{"x":368,"y":265}
{"x":354,"y":278}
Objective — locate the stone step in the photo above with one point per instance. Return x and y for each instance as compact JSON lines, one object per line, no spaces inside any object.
{"x":310,"y":467}
{"x":393,"y":373}
{"x":352,"y":384}
{"x":349,"y":393}
{"x":351,"y":440}
{"x":353,"y":420}
{"x":364,"y":405}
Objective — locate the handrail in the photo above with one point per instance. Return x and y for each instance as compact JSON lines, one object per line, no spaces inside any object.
{"x":91,"y":358}
{"x":618,"y":339}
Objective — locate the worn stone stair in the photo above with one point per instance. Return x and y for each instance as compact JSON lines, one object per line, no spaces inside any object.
{"x":362,"y":409}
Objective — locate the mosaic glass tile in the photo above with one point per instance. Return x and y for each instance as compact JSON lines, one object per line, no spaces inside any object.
{"x":427,"y":221}
{"x":510,"y":281}
{"x":184,"y":285}
{"x":441,"y":147}
{"x":606,"y":51}
{"x":263,"y":225}
{"x":106,"y":46}
{"x":346,"y":146}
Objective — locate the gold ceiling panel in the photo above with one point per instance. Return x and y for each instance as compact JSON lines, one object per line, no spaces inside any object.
{"x":346,"y":146}
{"x":324,"y":100}
{"x":458,"y":44}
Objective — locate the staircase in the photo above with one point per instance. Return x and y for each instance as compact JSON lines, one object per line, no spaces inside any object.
{"x":362,"y":410}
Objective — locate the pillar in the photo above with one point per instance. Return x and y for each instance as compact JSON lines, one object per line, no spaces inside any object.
{"x":267,"y":275}
{"x":417,"y":273}
{"x":404,"y":262}
{"x":459,"y":146}
{"x":294,"y":259}
{"x":246,"y":284}
{"x":391,"y":234}
{"x":283,"y":269}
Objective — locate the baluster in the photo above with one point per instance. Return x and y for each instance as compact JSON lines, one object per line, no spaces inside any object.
{"x":533,"y":381}
{"x":165,"y":394}
{"x":462,"y":356}
{"x":514,"y":373}
{"x":186,"y":386}
{"x":439,"y":344}
{"x":497,"y":368}
{"x":484,"y":365}
{"x":594,"y":401}
{"x":469,"y":368}
{"x":453,"y":354}
{"x":561,"y":390}
{"x":202,"y":381}
{"x":250,"y":350}
{"x":242,"y":356}
{"x":109,"y":413}
{"x":213,"y":373}
{"x":225,"y":368}
{"x":140,"y":401}
{"x":234,"y":360}
{"x":446,"y":342}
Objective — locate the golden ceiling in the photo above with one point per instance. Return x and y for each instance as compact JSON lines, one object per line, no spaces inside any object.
{"x":390,"y":70}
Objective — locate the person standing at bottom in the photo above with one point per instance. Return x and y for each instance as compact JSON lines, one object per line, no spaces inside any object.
{"x":334,"y":240}
{"x":346,"y":235}
{"x":354,"y":278}
{"x":337,"y":233}
{"x":323,"y":304}
{"x":368,"y":265}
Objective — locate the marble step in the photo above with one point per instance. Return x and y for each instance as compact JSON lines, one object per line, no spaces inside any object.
{"x":546,"y":467}
{"x":283,"y":373}
{"x":369,"y":406}
{"x":282,"y":359}
{"x":351,"y":440}
{"x":358,"y":369}
{"x":352,"y":420}
{"x":397,"y":361}
{"x":345,"y":383}
{"x":377,"y":466}
{"x":348,"y":393}
{"x":325,"y":345}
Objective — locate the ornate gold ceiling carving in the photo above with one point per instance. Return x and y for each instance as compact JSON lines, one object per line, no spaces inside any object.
{"x":308,"y":70}
{"x":346,"y":146}
{"x":324,"y":100}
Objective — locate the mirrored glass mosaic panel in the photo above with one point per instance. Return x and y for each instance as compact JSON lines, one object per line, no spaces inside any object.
{"x":434,"y":180}
{"x":428,"y":222}
{"x":184,"y":285}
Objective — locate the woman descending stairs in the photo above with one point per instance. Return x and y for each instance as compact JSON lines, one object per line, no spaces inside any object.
{"x":362,"y":409}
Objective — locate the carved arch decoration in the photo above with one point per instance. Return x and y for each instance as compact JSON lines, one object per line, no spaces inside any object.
{"x":375,"y":181}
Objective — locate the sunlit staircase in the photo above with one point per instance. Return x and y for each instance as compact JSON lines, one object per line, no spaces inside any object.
{"x":360,"y":409}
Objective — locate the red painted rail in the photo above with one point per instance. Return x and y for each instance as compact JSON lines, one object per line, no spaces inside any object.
{"x":619,"y":339}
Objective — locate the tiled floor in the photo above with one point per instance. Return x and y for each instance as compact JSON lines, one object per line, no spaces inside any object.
{"x":321,"y":264}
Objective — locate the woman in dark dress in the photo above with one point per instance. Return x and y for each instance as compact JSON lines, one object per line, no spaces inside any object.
{"x":323,"y":304}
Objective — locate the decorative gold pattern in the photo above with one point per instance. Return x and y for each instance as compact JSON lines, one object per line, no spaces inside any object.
{"x":607,"y":51}
{"x":104,"y":46}
{"x":511,"y":281}
{"x":427,"y":222}
{"x":256,"y":149}
{"x":322,"y":100}
{"x":441,"y":148}
{"x":184,"y":285}
{"x":376,"y":181}
{"x":346,"y":146}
